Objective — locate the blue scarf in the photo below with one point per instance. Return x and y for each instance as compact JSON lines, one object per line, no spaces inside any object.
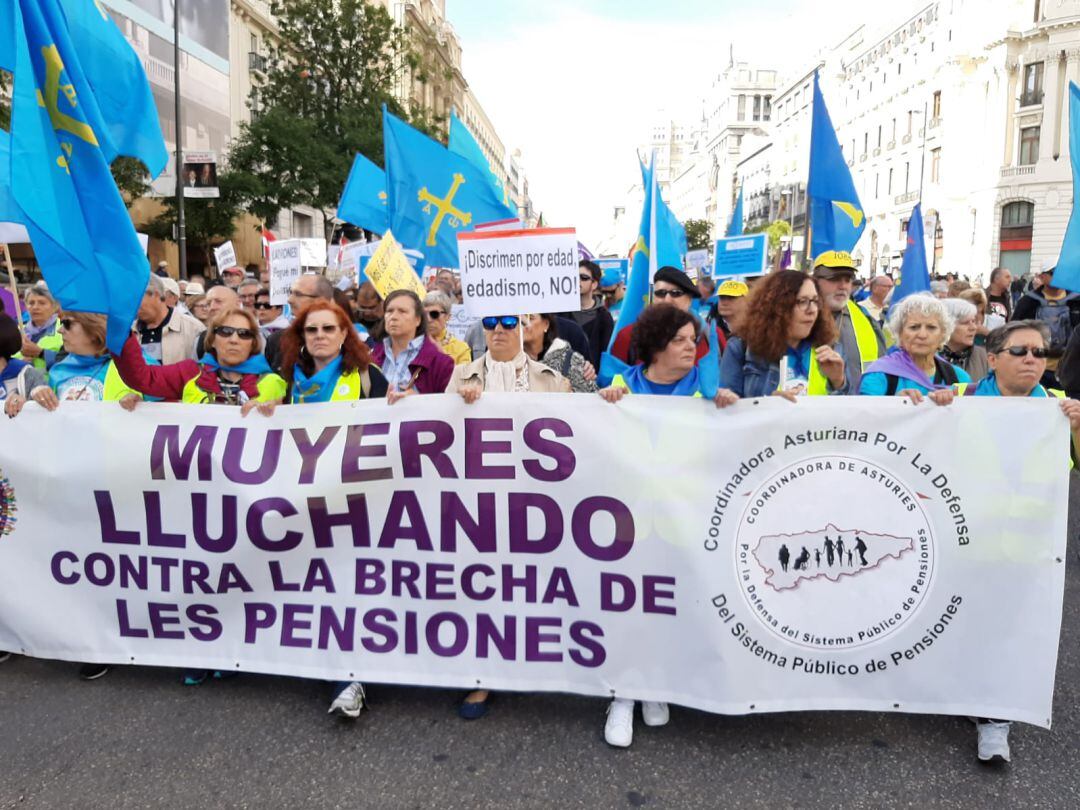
{"x":12,"y":370}
{"x":988,"y":387}
{"x":799,"y":361}
{"x":638,"y":383}
{"x":91,"y":369}
{"x":256,"y":364}
{"x":319,"y":387}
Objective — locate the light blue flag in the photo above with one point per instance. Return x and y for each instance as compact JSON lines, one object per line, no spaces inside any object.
{"x":1067,"y":272}
{"x":837,"y":219}
{"x":666,"y":249}
{"x":463,"y":143}
{"x":434,"y":194}
{"x":82,"y":235}
{"x":735,"y":227}
{"x":9,"y":209}
{"x":709,"y":365}
{"x":129,"y":118}
{"x":7,"y":35}
{"x":914,"y":272}
{"x":363,"y":202}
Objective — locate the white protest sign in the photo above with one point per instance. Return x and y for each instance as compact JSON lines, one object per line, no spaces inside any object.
{"x":848,"y":553}
{"x":12,"y":233}
{"x":519,"y":272}
{"x":312,"y":252}
{"x":225,"y":256}
{"x":460,"y":321}
{"x":697,"y":260}
{"x":285,"y":268}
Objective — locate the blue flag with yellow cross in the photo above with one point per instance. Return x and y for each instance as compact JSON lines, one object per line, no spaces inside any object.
{"x":62,"y":142}
{"x":434,"y":194}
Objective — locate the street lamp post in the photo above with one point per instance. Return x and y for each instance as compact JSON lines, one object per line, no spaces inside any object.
{"x":181,"y":227}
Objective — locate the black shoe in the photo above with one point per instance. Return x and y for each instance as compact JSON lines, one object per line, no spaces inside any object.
{"x":91,"y":672}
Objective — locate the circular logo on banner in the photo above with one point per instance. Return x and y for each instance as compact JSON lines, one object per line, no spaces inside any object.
{"x":834,"y":553}
{"x":7,"y":506}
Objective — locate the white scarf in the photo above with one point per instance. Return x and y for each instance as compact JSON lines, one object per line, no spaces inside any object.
{"x":506,"y":376}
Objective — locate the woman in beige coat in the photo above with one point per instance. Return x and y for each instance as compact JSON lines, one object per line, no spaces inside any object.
{"x":505,"y":368}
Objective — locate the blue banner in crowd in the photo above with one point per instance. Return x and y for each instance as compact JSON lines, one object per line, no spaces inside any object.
{"x":914,"y":272}
{"x":614,"y":271}
{"x":1067,"y":272}
{"x":434,"y":194}
{"x":737,"y":256}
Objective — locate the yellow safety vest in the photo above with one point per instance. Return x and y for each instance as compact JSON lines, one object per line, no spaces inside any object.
{"x":348,"y":388}
{"x":115,"y":387}
{"x":270,"y":386}
{"x":52,"y":342}
{"x":865,"y":336}
{"x":618,"y":382}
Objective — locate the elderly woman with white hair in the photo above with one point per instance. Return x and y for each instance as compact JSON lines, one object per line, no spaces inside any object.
{"x":960,"y":349}
{"x":922,"y":325}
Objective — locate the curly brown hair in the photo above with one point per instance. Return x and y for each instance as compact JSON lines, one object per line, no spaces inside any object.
{"x":355,"y":355}
{"x":656,"y":327}
{"x":768,"y":313}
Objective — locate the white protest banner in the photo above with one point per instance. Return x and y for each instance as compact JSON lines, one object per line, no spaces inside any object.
{"x":840,"y":553}
{"x":285,"y":268}
{"x":312,"y":252}
{"x":738,"y":256}
{"x":460,"y":321}
{"x":519,"y":272}
{"x":225,"y":256}
{"x":696,"y":262}
{"x":199,"y":175}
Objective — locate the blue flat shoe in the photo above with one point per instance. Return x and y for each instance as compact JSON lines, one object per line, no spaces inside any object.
{"x":193,"y":677}
{"x":474,"y":710}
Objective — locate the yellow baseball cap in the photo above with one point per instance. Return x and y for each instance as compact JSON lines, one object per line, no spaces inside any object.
{"x":733,"y":288}
{"x":831,"y":262}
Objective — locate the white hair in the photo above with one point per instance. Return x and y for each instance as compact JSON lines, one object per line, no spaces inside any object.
{"x":922,"y":304}
{"x":959,"y":309}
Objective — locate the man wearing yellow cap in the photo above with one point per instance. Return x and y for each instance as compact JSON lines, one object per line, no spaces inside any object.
{"x":730,"y":306}
{"x":861,"y":341}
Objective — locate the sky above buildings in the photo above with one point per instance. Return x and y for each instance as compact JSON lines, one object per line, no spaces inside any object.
{"x":576,"y":85}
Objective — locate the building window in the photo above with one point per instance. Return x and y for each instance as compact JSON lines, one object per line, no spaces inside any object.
{"x":935,"y":165}
{"x":909,"y":122}
{"x":866,"y":142}
{"x":742,"y":108}
{"x":757,"y":108}
{"x":907,"y":177}
{"x":1017,"y":215}
{"x":1029,"y":146}
{"x":893,"y":136}
{"x":889,"y":189}
{"x":1033,"y":85}
{"x":1017,"y":221}
{"x":254,"y":43}
{"x":767,"y":114}
{"x":877,"y":185}
{"x":936,"y":106}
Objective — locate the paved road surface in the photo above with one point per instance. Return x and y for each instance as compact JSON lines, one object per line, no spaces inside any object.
{"x":138,"y":739}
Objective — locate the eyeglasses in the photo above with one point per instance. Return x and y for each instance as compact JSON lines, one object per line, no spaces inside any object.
{"x":66,"y":323}
{"x":807,"y":304}
{"x":662,"y":294}
{"x":229,"y":331}
{"x":299,"y":294}
{"x":585,"y":278}
{"x":435,"y":314}
{"x":507,"y":322}
{"x":326,"y":329}
{"x":263,"y":305}
{"x":1021,"y":351}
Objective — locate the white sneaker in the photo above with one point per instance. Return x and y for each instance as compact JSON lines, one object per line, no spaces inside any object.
{"x":993,"y":741}
{"x":619,"y":728}
{"x":349,"y":702}
{"x":655,"y":714}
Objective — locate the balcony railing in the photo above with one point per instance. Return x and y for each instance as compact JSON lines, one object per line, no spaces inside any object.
{"x":257,"y":63}
{"x":1017,"y":171}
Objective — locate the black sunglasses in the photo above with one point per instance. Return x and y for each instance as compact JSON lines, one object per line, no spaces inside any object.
{"x":66,"y":323}
{"x":507,"y":321}
{"x":229,"y":331}
{"x":1020,"y":351}
{"x":585,"y":278}
{"x":263,"y":305}
{"x":662,"y":294}
{"x":326,"y":329}
{"x":435,"y":314}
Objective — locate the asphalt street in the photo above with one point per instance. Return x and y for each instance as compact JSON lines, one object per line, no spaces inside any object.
{"x":136,"y":738}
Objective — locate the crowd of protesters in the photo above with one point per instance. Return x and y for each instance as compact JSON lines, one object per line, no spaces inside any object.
{"x":787,"y":333}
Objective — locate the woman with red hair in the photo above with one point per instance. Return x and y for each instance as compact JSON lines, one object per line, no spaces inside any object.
{"x":324,"y":360}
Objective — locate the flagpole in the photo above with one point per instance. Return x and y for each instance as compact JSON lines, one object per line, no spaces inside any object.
{"x":14,"y":289}
{"x":181,"y":226}
{"x":653,"y":258}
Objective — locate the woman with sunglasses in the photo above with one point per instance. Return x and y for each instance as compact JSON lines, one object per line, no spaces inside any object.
{"x":232,"y":371}
{"x":785,"y":340}
{"x":504,"y":368}
{"x":439,"y":306}
{"x":922,"y":325}
{"x":409,"y":359}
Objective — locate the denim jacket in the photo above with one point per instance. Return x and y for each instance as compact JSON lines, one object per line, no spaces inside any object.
{"x":749,"y":376}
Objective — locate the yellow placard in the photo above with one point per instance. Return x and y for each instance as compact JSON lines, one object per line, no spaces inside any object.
{"x":389,"y":269}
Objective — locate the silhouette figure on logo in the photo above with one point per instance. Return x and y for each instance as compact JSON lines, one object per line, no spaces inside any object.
{"x":785,"y":555}
{"x":817,"y":557}
{"x":849,"y":559}
{"x":860,"y":547}
{"x":840,"y":549}
{"x":802,"y":560}
{"x":829,"y":551}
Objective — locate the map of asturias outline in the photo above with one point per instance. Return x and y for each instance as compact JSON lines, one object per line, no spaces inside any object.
{"x":829,"y":553}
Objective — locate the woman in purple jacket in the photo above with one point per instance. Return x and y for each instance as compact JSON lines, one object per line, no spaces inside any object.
{"x":410,"y":360}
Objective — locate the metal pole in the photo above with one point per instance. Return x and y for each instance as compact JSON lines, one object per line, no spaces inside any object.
{"x":181,"y":227}
{"x":922,"y":164}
